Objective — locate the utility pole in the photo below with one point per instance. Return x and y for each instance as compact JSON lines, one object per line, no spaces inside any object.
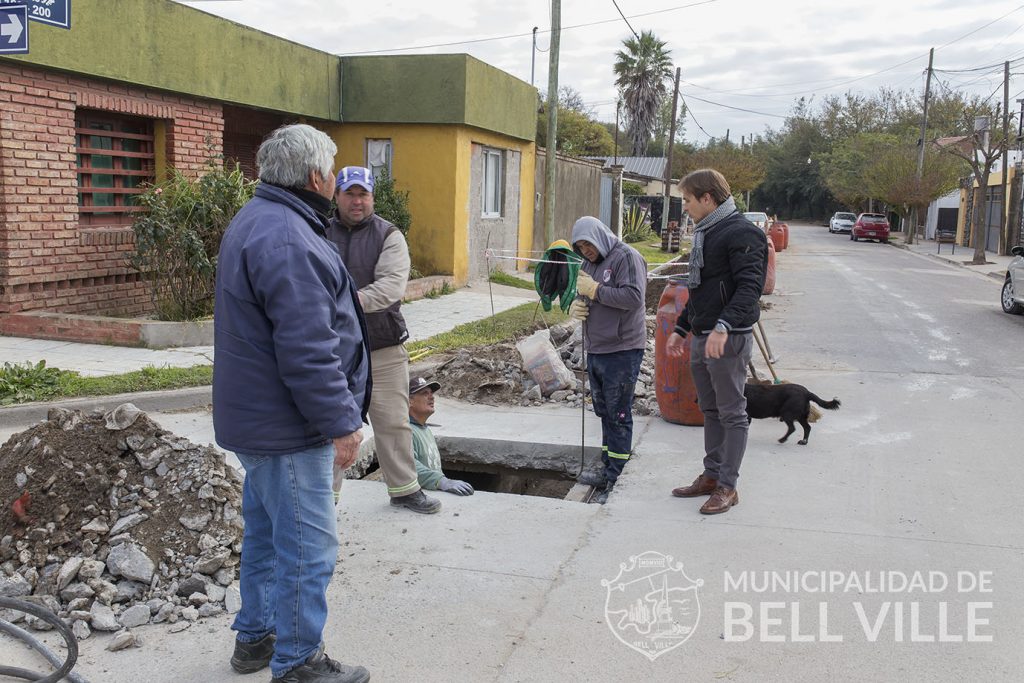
{"x":533,"y":55}
{"x":667,"y":202}
{"x":912,"y":231}
{"x":618,"y":106}
{"x":1004,"y":229}
{"x":551,"y":154}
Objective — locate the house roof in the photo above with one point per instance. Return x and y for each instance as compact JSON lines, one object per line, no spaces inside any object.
{"x":649,"y":167}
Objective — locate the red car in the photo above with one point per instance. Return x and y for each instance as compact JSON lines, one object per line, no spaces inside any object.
{"x":873,"y":226}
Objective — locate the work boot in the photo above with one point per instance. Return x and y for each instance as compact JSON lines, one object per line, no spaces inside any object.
{"x":720,"y":501}
{"x":418,"y":502}
{"x":320,"y":668}
{"x":701,"y":486}
{"x":593,"y":478}
{"x":601,"y":497}
{"x":249,"y":658}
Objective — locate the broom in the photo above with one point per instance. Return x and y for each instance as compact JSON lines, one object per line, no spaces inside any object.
{"x":770,"y":360}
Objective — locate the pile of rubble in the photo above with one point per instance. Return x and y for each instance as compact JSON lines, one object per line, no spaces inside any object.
{"x":494,"y":374}
{"x":112,"y":522}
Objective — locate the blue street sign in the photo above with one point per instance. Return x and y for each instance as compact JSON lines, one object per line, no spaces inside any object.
{"x":53,"y":12}
{"x":13,"y":29}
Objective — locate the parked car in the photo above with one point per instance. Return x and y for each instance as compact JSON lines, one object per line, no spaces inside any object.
{"x":842,"y":221}
{"x":758,"y":218}
{"x":1012,"y":297}
{"x":873,"y":226}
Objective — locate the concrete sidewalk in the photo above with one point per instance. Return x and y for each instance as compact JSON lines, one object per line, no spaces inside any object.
{"x":956,"y":255}
{"x":425,"y":318}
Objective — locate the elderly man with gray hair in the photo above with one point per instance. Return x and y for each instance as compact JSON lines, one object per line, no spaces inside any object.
{"x":290,"y":394}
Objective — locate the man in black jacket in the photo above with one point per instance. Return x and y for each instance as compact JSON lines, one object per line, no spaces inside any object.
{"x":727,"y":269}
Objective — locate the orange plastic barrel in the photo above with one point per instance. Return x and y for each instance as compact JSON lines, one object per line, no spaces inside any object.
{"x":777,"y":236}
{"x":785,"y":235}
{"x":769,"y":276}
{"x":673,"y":383}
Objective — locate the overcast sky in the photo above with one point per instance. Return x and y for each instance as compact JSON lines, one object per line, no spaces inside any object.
{"x":758,"y":55}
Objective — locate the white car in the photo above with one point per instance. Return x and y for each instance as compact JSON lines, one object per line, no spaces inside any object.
{"x":842,"y":221}
{"x":1012,"y":297}
{"x":758,"y":218}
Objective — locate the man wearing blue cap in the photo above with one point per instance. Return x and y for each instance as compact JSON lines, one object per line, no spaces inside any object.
{"x":377,"y":257}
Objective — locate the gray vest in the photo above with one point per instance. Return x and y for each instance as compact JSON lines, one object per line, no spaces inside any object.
{"x":360,"y":250}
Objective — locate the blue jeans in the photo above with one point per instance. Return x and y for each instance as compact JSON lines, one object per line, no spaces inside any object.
{"x":289,"y":549}
{"x":612,"y":381}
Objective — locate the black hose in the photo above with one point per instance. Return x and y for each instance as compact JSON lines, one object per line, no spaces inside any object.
{"x":55,"y":621}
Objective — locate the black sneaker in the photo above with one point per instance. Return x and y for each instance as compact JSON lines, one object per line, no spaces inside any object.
{"x":593,"y":478}
{"x":418,"y":502}
{"x":320,"y":668}
{"x":249,"y":658}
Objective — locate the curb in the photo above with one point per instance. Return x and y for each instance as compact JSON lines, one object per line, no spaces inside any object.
{"x":995,"y":275}
{"x":148,"y":401}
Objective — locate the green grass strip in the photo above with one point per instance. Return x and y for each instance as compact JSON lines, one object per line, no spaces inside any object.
{"x":506,"y":325}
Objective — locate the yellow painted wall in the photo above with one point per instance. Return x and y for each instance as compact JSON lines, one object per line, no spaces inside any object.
{"x":994,"y":179}
{"x":432,"y":161}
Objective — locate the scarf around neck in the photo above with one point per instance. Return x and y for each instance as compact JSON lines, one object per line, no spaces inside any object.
{"x":724,"y":210}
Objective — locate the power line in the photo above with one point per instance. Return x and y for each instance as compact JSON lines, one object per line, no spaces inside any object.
{"x":971,"y":33}
{"x":689,"y":113}
{"x":727,"y":106}
{"x":626,"y":20}
{"x":530,"y":33}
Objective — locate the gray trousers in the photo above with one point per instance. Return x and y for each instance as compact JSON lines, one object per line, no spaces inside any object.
{"x":719,"y":383}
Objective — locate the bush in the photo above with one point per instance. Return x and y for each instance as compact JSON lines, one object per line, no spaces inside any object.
{"x":178,"y":237}
{"x":632,"y":189}
{"x":392,"y":204}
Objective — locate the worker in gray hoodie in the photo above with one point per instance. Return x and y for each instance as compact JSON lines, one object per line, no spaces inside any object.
{"x":613,"y":285}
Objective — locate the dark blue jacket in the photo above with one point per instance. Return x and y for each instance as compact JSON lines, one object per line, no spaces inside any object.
{"x":291,"y":365}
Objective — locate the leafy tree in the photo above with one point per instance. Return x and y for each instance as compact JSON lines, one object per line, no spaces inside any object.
{"x":578,"y":134}
{"x":985,"y":147}
{"x":392,"y":204}
{"x":642,"y":70}
{"x":741,"y":167}
{"x":663,"y":124}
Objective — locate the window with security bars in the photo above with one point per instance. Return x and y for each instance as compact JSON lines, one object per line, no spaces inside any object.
{"x":115,"y":160}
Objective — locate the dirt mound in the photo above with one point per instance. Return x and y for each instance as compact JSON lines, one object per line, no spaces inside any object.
{"x":656,"y":287}
{"x":494,"y":374}
{"x":106,"y":512}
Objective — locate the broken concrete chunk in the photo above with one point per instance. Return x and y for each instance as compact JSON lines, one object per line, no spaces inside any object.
{"x":122,"y":640}
{"x":128,"y":560}
{"x":196,"y":521}
{"x":103,"y":618}
{"x":127,"y":522}
{"x":136,"y":615}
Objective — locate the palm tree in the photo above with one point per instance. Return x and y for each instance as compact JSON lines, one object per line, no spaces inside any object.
{"x":642,"y":70}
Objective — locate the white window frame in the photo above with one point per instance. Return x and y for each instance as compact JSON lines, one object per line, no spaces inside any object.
{"x":389,"y":153}
{"x":493,"y":183}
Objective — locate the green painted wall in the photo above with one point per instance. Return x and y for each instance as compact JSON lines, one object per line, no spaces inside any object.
{"x":165,"y":45}
{"x":456,"y":89}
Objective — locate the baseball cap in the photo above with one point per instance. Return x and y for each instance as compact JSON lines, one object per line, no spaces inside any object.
{"x":355,"y":175}
{"x":419,"y":384}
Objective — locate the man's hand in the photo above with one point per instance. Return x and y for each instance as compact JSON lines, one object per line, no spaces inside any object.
{"x":346,"y":448}
{"x":675,"y":346}
{"x":456,"y":486}
{"x":579,"y":310}
{"x":586,"y":285}
{"x":716,"y":344}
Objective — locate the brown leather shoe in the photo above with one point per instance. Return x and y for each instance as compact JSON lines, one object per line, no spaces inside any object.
{"x":701,"y":486}
{"x":720,"y":501}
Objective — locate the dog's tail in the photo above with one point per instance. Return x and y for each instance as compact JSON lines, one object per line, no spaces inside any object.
{"x":827,"y":405}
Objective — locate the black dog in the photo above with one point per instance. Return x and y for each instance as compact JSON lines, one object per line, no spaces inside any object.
{"x":788,"y":402}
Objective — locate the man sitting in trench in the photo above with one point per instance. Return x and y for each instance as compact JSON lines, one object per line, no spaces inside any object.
{"x":428,"y":458}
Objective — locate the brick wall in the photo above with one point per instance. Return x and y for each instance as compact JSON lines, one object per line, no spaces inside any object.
{"x":47,"y":260}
